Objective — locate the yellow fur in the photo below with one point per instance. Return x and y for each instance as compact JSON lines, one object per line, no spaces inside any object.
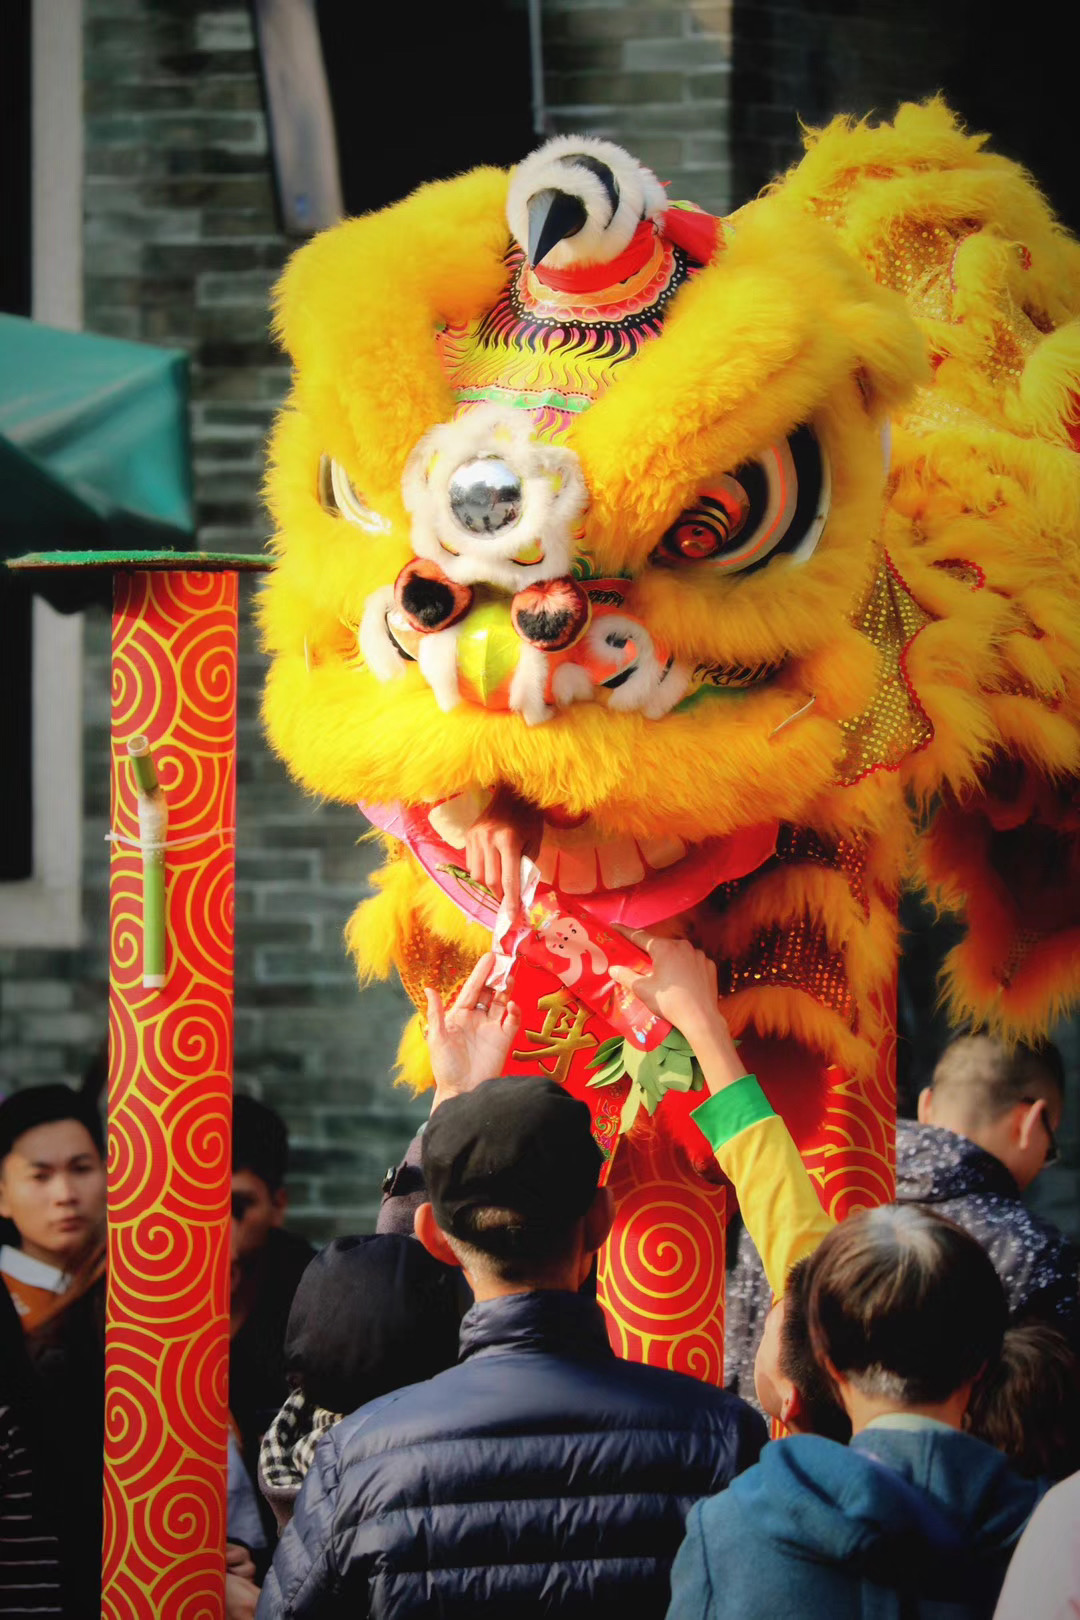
{"x":886,"y":244}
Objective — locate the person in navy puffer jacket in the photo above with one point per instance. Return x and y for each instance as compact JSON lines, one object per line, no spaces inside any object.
{"x":541,"y":1475}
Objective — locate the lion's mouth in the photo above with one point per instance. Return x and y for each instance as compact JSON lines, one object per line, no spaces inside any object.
{"x":637,"y":881}
{"x":574,"y":857}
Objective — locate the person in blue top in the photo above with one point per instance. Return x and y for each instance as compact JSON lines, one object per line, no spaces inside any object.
{"x":915,"y":1519}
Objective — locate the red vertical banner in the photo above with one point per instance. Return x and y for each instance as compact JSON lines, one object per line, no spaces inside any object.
{"x":170,"y":1105}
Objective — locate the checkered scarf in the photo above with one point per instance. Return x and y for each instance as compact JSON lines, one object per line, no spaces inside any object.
{"x":288,"y":1445}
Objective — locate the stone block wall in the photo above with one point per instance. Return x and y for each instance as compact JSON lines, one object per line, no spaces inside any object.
{"x":655,"y":77}
{"x":808,"y":60}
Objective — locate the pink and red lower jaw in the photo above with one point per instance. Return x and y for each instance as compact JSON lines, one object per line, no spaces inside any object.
{"x":656,"y":897}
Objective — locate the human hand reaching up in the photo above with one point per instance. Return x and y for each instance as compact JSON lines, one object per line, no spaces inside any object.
{"x":469,"y":1042}
{"x":681,"y":987}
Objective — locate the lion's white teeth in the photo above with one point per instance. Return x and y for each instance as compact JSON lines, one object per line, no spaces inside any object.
{"x":452,"y":818}
{"x":577,"y":870}
{"x":573,"y":859}
{"x":620,"y":863}
{"x":661,"y":852}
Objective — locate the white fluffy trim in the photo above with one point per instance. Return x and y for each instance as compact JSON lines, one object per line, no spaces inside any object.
{"x":604,"y":235}
{"x":554,"y":498}
{"x":652,"y":687}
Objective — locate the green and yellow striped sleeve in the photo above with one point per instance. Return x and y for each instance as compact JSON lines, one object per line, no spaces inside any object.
{"x":754,"y":1149}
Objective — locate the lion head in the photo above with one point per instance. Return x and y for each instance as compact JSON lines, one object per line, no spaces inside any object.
{"x":600,"y":524}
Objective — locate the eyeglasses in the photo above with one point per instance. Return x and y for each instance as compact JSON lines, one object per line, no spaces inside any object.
{"x":1052,"y":1149}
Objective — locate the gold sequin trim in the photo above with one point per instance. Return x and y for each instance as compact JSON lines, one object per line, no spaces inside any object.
{"x":895,"y":724}
{"x":797,"y":846}
{"x":966,"y":573}
{"x":428,"y":962}
{"x":1023,"y":943}
{"x":797,"y":958}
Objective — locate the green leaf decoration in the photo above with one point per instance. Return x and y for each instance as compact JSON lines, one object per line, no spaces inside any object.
{"x":478,"y":890}
{"x":608,"y":1062}
{"x":606,"y":1051}
{"x":671,"y":1066}
{"x":633,"y":1059}
{"x":630,"y":1110}
{"x":608,"y":1077}
{"x":679,"y":1082}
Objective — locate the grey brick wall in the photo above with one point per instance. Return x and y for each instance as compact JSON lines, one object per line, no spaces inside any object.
{"x":812,"y":59}
{"x":655,"y":77}
{"x":803,"y":60}
{"x":182,"y":247}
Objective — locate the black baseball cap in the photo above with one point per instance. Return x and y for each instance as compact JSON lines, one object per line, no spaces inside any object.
{"x":516,"y":1143}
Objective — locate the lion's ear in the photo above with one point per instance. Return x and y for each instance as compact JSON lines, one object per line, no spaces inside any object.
{"x":892,"y":352}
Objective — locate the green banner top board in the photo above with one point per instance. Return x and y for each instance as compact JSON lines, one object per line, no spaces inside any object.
{"x":94,"y":448}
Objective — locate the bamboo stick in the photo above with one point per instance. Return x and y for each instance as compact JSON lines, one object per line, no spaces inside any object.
{"x":153,"y":812}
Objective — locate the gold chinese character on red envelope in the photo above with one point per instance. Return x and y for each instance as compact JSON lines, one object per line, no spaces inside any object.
{"x":561,"y":1035}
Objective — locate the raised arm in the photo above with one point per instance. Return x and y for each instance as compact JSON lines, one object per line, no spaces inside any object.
{"x":751,"y":1143}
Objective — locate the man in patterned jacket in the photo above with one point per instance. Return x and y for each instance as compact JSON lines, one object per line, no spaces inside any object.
{"x":985,"y":1131}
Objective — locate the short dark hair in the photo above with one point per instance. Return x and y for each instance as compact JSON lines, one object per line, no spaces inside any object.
{"x":905,"y":1304}
{"x":509,"y":1246}
{"x":990,"y":1076}
{"x":46,"y":1105}
{"x":260,"y":1141}
{"x":823,"y":1413}
{"x":1028,"y":1405}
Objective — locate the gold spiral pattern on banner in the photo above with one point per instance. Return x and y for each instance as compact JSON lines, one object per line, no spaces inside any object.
{"x":661,"y":1274}
{"x":860,"y":1127}
{"x":174,"y":680}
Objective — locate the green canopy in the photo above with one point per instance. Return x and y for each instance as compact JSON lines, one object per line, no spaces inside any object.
{"x":93,"y":443}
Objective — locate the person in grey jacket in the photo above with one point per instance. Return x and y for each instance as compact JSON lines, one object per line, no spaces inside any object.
{"x":985,"y":1132}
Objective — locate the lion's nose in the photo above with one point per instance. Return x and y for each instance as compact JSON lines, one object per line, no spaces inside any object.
{"x":551,"y":615}
{"x":428,"y":599}
{"x":485,"y":495}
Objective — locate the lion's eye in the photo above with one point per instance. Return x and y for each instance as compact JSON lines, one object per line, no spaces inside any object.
{"x":337,"y":495}
{"x":775,"y":505}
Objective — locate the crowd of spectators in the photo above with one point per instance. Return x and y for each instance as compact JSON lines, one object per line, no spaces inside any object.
{"x":430,"y":1419}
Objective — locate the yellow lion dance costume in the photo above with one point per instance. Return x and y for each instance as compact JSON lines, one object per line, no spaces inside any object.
{"x":749,"y":552}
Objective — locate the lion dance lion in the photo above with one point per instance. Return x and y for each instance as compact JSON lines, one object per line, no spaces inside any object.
{"x":747,"y":550}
